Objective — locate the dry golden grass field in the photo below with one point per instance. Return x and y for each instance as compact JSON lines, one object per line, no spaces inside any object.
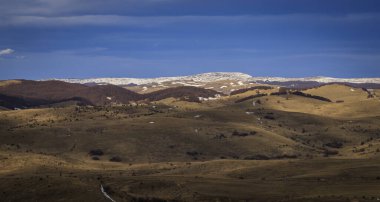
{"x":282,"y":148}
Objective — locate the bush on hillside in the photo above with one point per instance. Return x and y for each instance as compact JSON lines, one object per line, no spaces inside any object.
{"x":257,"y":157}
{"x":250,"y":97}
{"x":251,"y":88}
{"x":115,"y":159}
{"x":96,"y":152}
{"x":334,"y":144}
{"x":311,"y":96}
{"x":327,"y":153}
{"x":243,"y":134}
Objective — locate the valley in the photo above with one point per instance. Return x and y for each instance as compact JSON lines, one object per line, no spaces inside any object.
{"x":188,"y":143}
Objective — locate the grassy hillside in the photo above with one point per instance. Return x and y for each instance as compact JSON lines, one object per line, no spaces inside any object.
{"x":282,"y":148}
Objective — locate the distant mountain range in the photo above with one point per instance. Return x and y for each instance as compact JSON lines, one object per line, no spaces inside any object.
{"x":27,"y":93}
{"x":194,"y":88}
{"x":202,"y":78}
{"x":218,"y":76}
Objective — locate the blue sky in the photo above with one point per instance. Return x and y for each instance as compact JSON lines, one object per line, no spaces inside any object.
{"x":148,"y":38}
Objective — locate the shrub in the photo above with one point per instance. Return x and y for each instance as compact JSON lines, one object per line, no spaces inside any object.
{"x":192,"y":153}
{"x":220,"y":136}
{"x":96,"y":152}
{"x":115,"y":159}
{"x":171,"y":146}
{"x":286,"y":156}
{"x":252,"y":133}
{"x":335,"y":144}
{"x":330,"y":153}
{"x":257,"y":157}
{"x":270,"y":117}
{"x":251,"y":97}
{"x":243,"y":134}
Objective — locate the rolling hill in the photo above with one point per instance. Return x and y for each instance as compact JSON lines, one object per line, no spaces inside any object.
{"x":25,"y":93}
{"x":172,"y":146}
{"x":58,"y":91}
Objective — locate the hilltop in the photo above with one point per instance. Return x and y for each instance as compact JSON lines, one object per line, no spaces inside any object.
{"x":27,"y":93}
{"x":257,"y":142}
{"x":224,"y":82}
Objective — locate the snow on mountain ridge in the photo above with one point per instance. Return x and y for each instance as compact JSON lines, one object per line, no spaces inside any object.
{"x":215,"y":76}
{"x":319,"y":79}
{"x":204,"y":78}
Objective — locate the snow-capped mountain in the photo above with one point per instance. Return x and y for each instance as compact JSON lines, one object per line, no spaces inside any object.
{"x":319,"y":79}
{"x":201,"y":78}
{"x":216,"y":76}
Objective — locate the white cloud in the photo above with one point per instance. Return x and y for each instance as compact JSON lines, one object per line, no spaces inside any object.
{"x":71,"y":7}
{"x":7,"y":51}
{"x":153,"y":21}
{"x":112,"y":20}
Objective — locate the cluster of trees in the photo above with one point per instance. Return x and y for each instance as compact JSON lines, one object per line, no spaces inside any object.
{"x":251,"y":88}
{"x":186,"y":93}
{"x":311,"y":96}
{"x":265,"y":157}
{"x":299,"y":93}
{"x":243,"y":134}
{"x":251,"y":97}
{"x":96,"y":153}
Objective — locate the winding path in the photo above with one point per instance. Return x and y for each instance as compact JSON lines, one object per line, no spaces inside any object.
{"x":105,"y":193}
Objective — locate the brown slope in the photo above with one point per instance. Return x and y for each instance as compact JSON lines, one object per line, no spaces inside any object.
{"x":187,"y":93}
{"x":243,"y":90}
{"x":12,"y":102}
{"x":48,"y":92}
{"x":53,"y":91}
{"x":105,"y":94}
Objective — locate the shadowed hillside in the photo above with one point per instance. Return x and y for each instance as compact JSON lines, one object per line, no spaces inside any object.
{"x":173,"y":146}
{"x":25,"y":93}
{"x":57,"y":91}
{"x":186,"y":93}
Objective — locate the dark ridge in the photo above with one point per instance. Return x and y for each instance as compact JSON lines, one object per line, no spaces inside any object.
{"x":57,"y":91}
{"x":45,"y":90}
{"x":264,"y":157}
{"x":334,"y":144}
{"x":99,"y":94}
{"x":279,"y":93}
{"x":310,"y":96}
{"x":11,"y":102}
{"x":37,"y":93}
{"x":303,"y":95}
{"x":296,"y":85}
{"x":299,"y":93}
{"x":186,"y":93}
{"x":243,"y":90}
{"x":304,"y":85}
{"x":250,"y":97}
{"x":356,"y":85}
